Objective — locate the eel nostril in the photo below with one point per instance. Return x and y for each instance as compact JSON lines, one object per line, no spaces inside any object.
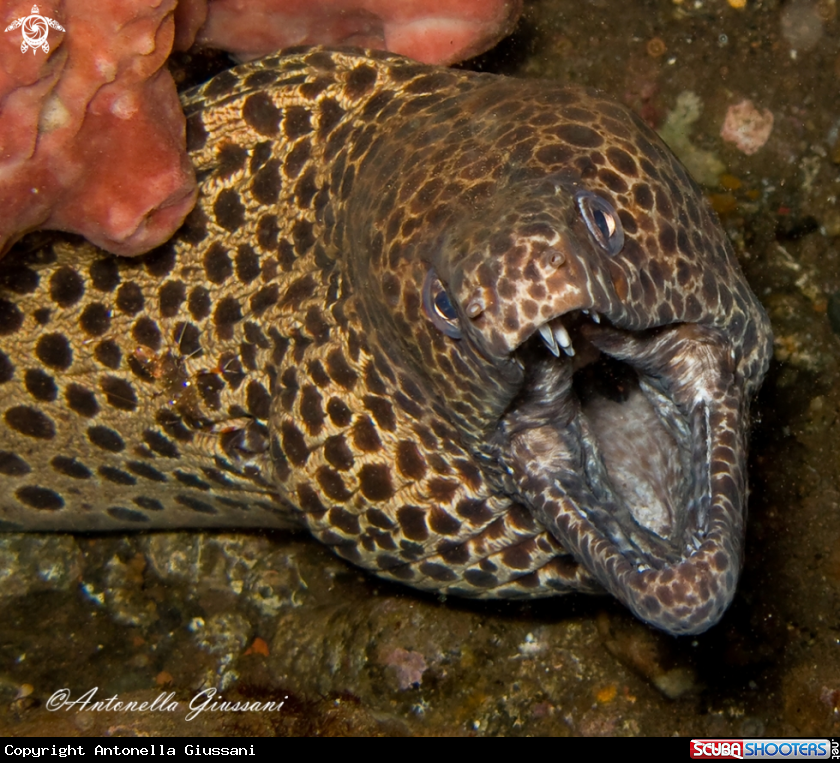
{"x":554,"y":259}
{"x":477,"y":305}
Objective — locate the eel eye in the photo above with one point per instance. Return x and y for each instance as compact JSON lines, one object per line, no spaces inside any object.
{"x":439,"y":307}
{"x":602,"y":221}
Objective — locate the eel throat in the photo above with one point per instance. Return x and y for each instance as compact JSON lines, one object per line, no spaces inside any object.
{"x":646,"y":490}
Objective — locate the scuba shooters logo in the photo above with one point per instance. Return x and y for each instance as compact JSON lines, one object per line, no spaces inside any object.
{"x":35,"y":30}
{"x":764,"y":749}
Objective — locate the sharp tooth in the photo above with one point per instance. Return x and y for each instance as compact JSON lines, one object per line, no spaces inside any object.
{"x":548,"y":338}
{"x":595,"y":317}
{"x":562,"y":336}
{"x":563,"y":339}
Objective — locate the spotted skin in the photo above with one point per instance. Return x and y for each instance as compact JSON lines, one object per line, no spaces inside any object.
{"x":274,"y":364}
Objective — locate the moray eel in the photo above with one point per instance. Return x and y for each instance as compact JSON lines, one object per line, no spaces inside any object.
{"x":480,"y":335}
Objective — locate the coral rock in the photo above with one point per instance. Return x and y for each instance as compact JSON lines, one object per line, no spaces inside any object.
{"x":747,"y":127}
{"x":92,"y":132}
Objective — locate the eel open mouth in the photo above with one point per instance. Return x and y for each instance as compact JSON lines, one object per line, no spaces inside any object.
{"x":626,"y":446}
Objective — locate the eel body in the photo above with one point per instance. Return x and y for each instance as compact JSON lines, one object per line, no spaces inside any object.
{"x":480,"y":335}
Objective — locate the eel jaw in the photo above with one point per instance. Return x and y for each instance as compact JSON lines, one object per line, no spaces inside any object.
{"x":677,"y":574}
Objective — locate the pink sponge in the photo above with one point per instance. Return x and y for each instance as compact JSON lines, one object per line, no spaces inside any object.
{"x":91,"y":129}
{"x":92,"y":133}
{"x":432,"y":31}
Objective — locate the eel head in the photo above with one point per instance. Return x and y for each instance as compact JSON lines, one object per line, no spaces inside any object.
{"x":586,"y":325}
